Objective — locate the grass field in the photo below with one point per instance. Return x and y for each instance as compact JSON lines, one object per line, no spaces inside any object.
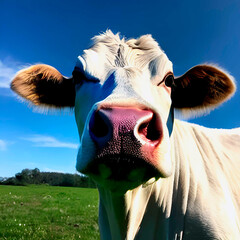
{"x":45,"y":212}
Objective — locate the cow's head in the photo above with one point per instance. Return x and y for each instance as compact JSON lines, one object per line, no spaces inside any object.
{"x":124,"y":93}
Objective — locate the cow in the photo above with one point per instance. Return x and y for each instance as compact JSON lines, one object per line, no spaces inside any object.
{"x":158,"y":177}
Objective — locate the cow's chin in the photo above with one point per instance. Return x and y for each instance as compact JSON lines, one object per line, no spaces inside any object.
{"x":120,"y":173}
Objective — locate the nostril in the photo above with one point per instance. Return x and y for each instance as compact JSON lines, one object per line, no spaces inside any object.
{"x":150,"y":130}
{"x":98,"y":125}
{"x":153,"y":131}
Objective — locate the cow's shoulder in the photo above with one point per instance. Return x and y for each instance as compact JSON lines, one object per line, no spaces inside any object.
{"x":209,"y":168}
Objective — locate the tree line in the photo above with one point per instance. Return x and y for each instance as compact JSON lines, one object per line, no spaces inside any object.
{"x":35,"y":176}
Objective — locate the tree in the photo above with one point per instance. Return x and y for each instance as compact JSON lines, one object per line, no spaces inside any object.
{"x":34,"y":176}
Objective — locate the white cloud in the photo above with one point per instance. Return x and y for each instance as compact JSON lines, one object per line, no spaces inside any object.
{"x":7,"y":72}
{"x":48,"y":141}
{"x":3,"y":145}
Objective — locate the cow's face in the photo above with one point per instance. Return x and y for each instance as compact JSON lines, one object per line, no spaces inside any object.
{"x":123,"y":113}
{"x":124,"y":95}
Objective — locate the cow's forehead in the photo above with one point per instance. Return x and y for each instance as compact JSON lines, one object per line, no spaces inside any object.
{"x":110,"y":52}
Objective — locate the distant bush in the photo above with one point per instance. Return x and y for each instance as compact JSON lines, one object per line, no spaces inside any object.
{"x":34,"y":176}
{"x":10,"y":181}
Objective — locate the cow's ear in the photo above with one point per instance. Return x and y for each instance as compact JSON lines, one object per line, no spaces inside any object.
{"x":44,"y":85}
{"x":201,"y":88}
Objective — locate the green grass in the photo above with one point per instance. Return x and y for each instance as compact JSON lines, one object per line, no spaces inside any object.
{"x":45,"y":212}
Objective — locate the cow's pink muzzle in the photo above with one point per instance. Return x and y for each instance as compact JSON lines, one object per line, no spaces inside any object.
{"x":125,"y":139}
{"x":113,"y":124}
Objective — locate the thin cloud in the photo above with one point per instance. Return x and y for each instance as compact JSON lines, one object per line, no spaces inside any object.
{"x":7,"y":73}
{"x":3,"y":145}
{"x":48,"y":141}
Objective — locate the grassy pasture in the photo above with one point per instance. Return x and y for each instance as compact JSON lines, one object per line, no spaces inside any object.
{"x":45,"y":212}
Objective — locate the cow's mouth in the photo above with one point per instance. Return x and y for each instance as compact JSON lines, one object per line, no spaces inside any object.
{"x":121,"y":169}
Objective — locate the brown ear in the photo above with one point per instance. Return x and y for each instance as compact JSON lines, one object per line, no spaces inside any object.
{"x":202,"y":87}
{"x":44,"y":85}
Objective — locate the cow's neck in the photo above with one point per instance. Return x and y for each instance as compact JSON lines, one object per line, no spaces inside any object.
{"x":143,"y":213}
{"x":115,"y":213}
{"x":112,"y":215}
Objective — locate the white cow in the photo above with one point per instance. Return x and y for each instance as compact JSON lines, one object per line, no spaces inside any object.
{"x":158,"y":178}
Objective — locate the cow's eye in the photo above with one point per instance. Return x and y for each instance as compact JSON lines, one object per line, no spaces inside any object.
{"x":80,"y":77}
{"x":169,"y":80}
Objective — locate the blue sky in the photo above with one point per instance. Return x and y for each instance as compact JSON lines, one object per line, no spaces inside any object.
{"x":55,"y":32}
